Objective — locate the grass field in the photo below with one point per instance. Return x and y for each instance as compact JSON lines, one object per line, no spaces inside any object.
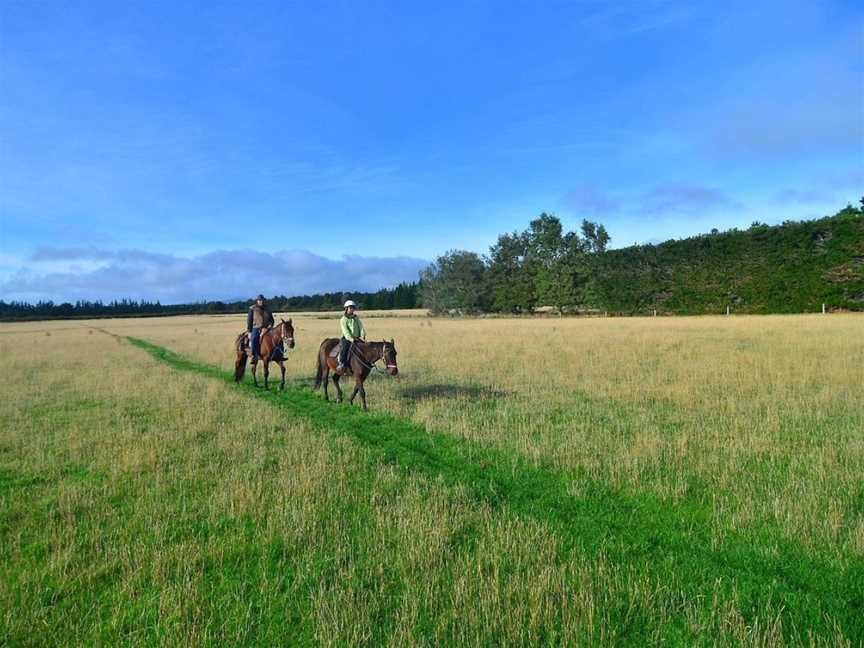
{"x":689,"y":481}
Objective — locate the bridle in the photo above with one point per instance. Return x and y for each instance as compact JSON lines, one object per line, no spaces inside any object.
{"x":374,"y":363}
{"x":285,"y":336}
{"x":384,"y":358}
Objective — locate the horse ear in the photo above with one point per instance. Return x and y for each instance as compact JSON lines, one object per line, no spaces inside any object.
{"x":392,"y":342}
{"x":289,"y":320}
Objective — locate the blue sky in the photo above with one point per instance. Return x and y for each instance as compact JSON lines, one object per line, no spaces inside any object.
{"x":218,"y":150}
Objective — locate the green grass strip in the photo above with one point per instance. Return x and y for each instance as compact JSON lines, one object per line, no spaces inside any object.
{"x":671,"y":543}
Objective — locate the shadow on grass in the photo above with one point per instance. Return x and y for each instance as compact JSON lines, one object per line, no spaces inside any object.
{"x":448,"y":391}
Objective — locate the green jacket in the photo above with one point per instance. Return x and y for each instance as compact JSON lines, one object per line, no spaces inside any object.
{"x":352,"y":328}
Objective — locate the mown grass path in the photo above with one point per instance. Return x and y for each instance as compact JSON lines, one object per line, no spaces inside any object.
{"x":672,"y":543}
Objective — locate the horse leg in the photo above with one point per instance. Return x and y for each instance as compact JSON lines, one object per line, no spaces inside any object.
{"x":357,"y":386}
{"x":336,"y":377}
{"x":326,"y":381}
{"x":363,"y":397}
{"x":266,"y":372}
{"x":255,"y":372}
{"x":282,"y":368}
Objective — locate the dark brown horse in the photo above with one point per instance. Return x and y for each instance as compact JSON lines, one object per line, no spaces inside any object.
{"x":362,"y":357}
{"x":273,"y":342}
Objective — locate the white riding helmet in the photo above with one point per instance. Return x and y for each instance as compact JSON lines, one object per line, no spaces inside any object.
{"x":349,"y":303}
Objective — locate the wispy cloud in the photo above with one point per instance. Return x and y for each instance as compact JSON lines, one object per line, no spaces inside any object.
{"x":832,"y":187}
{"x":853,"y":179}
{"x":613,"y":21}
{"x":590,"y":200}
{"x":802,"y":196}
{"x":775,"y":112}
{"x":675,"y":198}
{"x":222,"y":274}
{"x":52,"y":254}
{"x":774,"y":129}
{"x":305,"y":177}
{"x":666,"y":199}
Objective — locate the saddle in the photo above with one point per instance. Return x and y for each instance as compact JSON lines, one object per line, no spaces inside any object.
{"x":334,"y":353}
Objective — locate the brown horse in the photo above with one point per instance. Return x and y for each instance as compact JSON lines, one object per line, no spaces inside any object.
{"x":273,"y":343}
{"x":361,"y":358}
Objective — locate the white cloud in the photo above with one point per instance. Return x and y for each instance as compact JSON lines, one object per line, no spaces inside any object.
{"x":683,"y":197}
{"x":64,"y":274}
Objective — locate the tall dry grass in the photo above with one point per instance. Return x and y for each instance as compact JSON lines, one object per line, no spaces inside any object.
{"x":146,"y":506}
{"x":763,"y":416}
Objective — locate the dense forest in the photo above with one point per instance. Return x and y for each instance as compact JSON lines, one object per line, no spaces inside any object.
{"x":402,"y":296}
{"x":788,"y":268}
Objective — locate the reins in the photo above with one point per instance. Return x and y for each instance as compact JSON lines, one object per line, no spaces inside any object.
{"x":374,"y":365}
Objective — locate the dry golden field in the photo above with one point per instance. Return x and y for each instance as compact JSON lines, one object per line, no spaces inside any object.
{"x":148,"y":504}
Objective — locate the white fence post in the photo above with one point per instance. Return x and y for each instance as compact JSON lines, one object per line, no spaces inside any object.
{"x":823,"y":309}
{"x":727,"y":310}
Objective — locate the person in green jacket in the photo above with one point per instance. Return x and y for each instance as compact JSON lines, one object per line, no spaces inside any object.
{"x":352,"y":330}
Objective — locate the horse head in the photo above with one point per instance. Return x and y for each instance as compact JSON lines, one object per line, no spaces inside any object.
{"x":287,"y":329}
{"x":388,"y":353}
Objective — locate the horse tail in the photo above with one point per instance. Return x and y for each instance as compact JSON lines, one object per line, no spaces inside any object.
{"x":240,"y":362}
{"x":319,"y":376}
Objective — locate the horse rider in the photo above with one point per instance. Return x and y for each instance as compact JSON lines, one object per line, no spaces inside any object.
{"x":258,"y":320}
{"x":352,"y":330}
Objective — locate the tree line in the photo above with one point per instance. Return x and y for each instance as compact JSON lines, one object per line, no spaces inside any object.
{"x":405,"y":295}
{"x":793,"y":267}
{"x":543,"y":265}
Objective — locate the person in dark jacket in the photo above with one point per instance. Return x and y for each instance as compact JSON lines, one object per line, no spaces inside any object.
{"x":259,"y":319}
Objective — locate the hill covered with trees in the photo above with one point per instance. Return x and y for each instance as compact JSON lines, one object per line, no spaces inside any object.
{"x":788,"y":268}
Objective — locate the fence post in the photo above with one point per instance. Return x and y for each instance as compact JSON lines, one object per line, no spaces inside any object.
{"x":655,"y":312}
{"x":727,"y":310}
{"x":823,"y":309}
